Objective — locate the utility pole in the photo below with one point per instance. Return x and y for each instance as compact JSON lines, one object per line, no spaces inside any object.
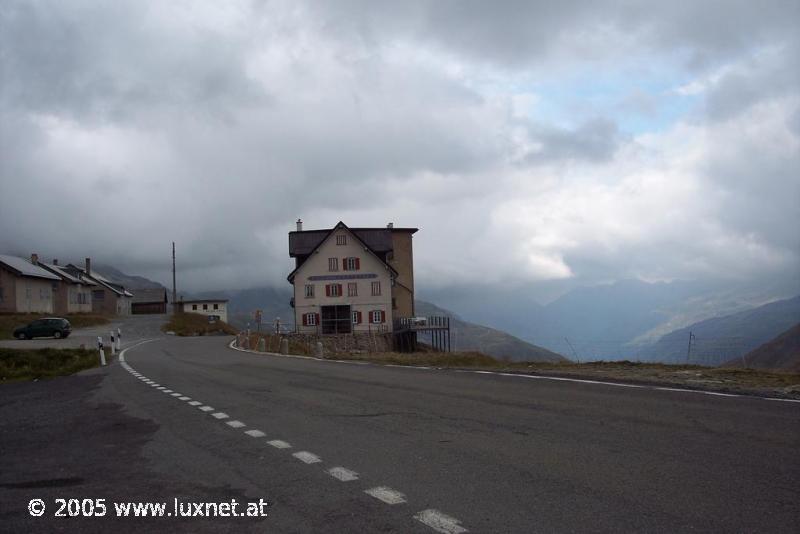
{"x":689,"y":349}
{"x":174,"y":287}
{"x":577,"y":359}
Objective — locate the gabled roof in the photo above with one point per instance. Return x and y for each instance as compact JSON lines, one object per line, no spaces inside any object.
{"x":22,"y":267}
{"x":58,"y":270}
{"x":379,"y":240}
{"x":95,"y":277}
{"x":338,"y":226}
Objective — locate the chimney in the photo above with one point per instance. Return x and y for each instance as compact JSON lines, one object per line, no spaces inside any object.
{"x":299,"y":225}
{"x":89,"y":266}
{"x":55,"y":261}
{"x":390,"y":225}
{"x":34,"y":259}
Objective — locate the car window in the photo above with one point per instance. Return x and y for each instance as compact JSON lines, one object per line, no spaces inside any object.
{"x":37,"y":323}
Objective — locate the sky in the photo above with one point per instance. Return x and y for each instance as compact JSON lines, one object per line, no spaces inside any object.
{"x":533,"y":143}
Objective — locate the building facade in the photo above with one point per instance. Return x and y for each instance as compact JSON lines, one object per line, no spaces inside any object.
{"x":149,"y":301}
{"x":351,"y":280}
{"x":108,"y":298}
{"x":26,"y":288}
{"x":209,"y":307}
{"x":74,"y":295}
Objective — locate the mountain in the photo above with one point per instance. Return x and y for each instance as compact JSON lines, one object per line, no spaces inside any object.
{"x":720,"y":339}
{"x":128,"y":281}
{"x":242,"y":304}
{"x":468,"y":336}
{"x":608,"y":321}
{"x":782,"y":352}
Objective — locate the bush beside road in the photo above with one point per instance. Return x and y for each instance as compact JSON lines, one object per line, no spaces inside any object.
{"x":29,"y":364}
{"x":193,"y":324}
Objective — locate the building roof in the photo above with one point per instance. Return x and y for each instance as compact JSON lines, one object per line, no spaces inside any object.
{"x":22,"y":267}
{"x":377,"y":239}
{"x":377,"y":235}
{"x":202,"y":301}
{"x":94,"y":276}
{"x":142,"y":296}
{"x":59,"y":270}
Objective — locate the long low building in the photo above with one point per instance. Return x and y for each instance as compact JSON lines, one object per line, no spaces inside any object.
{"x":149,"y":301}
{"x":217,"y":308}
{"x":25,"y":287}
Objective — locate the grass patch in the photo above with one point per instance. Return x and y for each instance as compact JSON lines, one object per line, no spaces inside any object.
{"x":25,"y":364}
{"x":10,"y":321}
{"x":194,"y":324}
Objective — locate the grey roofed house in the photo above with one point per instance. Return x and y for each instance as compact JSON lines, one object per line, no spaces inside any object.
{"x":66,"y":276}
{"x":22,"y":267}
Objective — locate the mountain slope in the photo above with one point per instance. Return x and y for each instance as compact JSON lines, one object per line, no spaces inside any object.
{"x":782,"y":352}
{"x":128,"y":281}
{"x":469,"y":336}
{"x":720,"y":339}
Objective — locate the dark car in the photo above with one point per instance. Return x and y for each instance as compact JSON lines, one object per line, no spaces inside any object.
{"x":50,"y":327}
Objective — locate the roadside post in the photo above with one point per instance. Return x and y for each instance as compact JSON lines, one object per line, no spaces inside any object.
{"x":284,"y":346}
{"x":113,"y":345}
{"x":100,"y":348}
{"x":119,"y":338}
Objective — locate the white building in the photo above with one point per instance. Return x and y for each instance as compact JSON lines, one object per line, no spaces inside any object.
{"x":342,"y":284}
{"x":217,"y":308}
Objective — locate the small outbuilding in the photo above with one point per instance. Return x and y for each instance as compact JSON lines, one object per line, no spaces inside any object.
{"x":217,"y":308}
{"x":149,"y":301}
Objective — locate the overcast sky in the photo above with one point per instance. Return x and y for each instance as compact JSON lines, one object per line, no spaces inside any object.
{"x":532,"y":142}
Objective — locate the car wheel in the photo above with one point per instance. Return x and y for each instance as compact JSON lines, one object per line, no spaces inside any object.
{"x":21,"y":336}
{"x":57,"y":334}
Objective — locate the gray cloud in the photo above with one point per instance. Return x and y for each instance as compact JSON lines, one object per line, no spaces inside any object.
{"x":126,"y":125}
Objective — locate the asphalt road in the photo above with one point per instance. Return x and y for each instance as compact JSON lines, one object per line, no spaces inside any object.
{"x":493,"y":453}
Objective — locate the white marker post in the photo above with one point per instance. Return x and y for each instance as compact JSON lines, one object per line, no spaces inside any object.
{"x":119,"y":338}
{"x":113,"y":345}
{"x":100,"y":348}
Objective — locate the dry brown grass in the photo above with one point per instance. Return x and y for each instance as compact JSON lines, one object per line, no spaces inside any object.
{"x":193,"y":324}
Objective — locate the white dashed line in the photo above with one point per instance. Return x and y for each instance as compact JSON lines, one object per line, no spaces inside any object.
{"x":307,"y":457}
{"x":386,"y":494}
{"x":254,"y":433}
{"x":206,"y":409}
{"x":176,"y":395}
{"x":278,"y":444}
{"x":220,"y":415}
{"x":343,"y":474}
{"x":195,"y":403}
{"x":156,"y":385}
{"x":235,"y":424}
{"x":166,"y":390}
{"x":440,"y":522}
{"x":162,"y":388}
{"x":185,"y":398}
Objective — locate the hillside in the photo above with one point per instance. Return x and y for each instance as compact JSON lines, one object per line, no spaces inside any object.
{"x":131,"y":282}
{"x":721,"y":339}
{"x":782,"y":352}
{"x":466,"y":336}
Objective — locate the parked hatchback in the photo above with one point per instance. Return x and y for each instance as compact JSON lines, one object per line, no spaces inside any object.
{"x":50,"y":327}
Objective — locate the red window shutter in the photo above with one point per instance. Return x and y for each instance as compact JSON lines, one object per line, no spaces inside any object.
{"x":358,"y":264}
{"x":340,"y":289}
{"x":305,"y":319}
{"x":383,"y":316}
{"x":358,"y":317}
{"x":327,"y":290}
{"x":316,"y":317}
{"x":344,"y":264}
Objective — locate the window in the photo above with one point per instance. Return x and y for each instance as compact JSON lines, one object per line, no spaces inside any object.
{"x":194,"y":306}
{"x":205,"y":307}
{"x":341,"y":239}
{"x":309,"y":291}
{"x":376,"y":317}
{"x":352,"y":289}
{"x":394,"y":303}
{"x":99,"y":294}
{"x":376,"y":289}
{"x":333,"y":290}
{"x":333,"y":264}
{"x":216,"y":306}
{"x":1,"y":294}
{"x":310,"y":319}
{"x":356,"y":317}
{"x":351,"y":264}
